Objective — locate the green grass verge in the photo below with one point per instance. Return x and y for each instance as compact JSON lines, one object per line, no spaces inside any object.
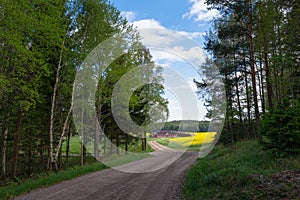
{"x":235,"y":172}
{"x":13,"y":189}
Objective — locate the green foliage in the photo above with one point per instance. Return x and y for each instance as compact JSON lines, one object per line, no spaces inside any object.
{"x":187,"y":125}
{"x":75,"y":145}
{"x":231,"y":172}
{"x":281,"y":131}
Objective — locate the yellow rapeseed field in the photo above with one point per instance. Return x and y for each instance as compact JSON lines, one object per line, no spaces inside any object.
{"x":197,"y":139}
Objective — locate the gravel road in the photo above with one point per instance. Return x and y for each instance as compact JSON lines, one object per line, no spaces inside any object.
{"x":113,"y":184}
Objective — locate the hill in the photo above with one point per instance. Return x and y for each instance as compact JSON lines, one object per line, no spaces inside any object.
{"x":187,"y":126}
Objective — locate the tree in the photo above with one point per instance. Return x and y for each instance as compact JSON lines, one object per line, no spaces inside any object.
{"x":253,"y":39}
{"x":26,"y":62}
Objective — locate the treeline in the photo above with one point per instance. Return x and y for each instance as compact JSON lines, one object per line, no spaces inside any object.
{"x":255,"y":46}
{"x":43,"y":45}
{"x":186,"y":126}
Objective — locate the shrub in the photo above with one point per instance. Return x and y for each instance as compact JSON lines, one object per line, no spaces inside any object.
{"x":281,"y":131}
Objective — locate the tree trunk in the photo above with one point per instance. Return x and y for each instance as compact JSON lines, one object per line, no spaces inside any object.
{"x":126,"y":143}
{"x":105,"y":139}
{"x":276,"y":85}
{"x":252,"y":63}
{"x":98,"y":123}
{"x":83,"y":152}
{"x":96,"y":139}
{"x":60,"y":159}
{"x":144,"y":142}
{"x":58,"y":151}
{"x":29,"y":158}
{"x":53,"y":100}
{"x":16,"y":145}
{"x":266,"y":62}
{"x":262,"y":88}
{"x":238,"y":98}
{"x":82,"y":156}
{"x":117,"y":143}
{"x":4,"y":151}
{"x":248,"y":102}
{"x":68,"y":145}
{"x":111,"y":143}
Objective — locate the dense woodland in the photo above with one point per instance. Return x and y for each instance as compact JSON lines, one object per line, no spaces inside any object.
{"x":43,"y":44}
{"x":255,"y":45}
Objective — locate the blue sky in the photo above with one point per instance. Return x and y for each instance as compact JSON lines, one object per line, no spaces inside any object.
{"x":173,"y":31}
{"x":182,"y":15}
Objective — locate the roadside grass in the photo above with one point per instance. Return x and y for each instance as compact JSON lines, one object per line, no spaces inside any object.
{"x":239,"y":172}
{"x":12,"y":188}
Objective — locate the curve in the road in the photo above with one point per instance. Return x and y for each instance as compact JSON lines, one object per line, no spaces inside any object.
{"x":108,"y":184}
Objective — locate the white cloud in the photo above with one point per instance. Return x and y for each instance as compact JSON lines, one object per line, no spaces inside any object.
{"x":147,"y":23}
{"x":129,"y":15}
{"x":193,"y":35}
{"x":200,"y":12}
{"x":168,"y":45}
{"x":194,"y":55}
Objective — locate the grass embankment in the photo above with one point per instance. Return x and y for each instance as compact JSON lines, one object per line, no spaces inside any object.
{"x":13,"y":189}
{"x":243,"y":171}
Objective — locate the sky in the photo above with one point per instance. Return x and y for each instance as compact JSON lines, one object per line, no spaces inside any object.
{"x":173,"y":31}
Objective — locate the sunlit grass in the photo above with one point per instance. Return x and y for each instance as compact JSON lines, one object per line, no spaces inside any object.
{"x":198,"y":138}
{"x":237,"y":172}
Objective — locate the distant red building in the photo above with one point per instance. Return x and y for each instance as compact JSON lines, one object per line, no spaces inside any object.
{"x":169,"y":134}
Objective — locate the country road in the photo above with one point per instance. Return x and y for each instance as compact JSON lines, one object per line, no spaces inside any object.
{"x":114,"y":184}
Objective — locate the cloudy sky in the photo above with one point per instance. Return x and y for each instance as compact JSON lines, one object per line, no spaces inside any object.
{"x":173,"y":31}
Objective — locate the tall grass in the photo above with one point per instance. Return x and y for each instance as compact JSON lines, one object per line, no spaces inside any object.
{"x":227,"y":173}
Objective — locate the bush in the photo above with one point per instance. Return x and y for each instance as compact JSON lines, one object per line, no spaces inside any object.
{"x":281,"y":131}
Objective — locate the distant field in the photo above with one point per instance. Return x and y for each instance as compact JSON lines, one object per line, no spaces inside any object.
{"x":191,"y":143}
{"x":199,"y":138}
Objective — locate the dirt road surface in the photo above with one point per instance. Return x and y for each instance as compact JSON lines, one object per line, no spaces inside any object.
{"x":112,"y":184}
